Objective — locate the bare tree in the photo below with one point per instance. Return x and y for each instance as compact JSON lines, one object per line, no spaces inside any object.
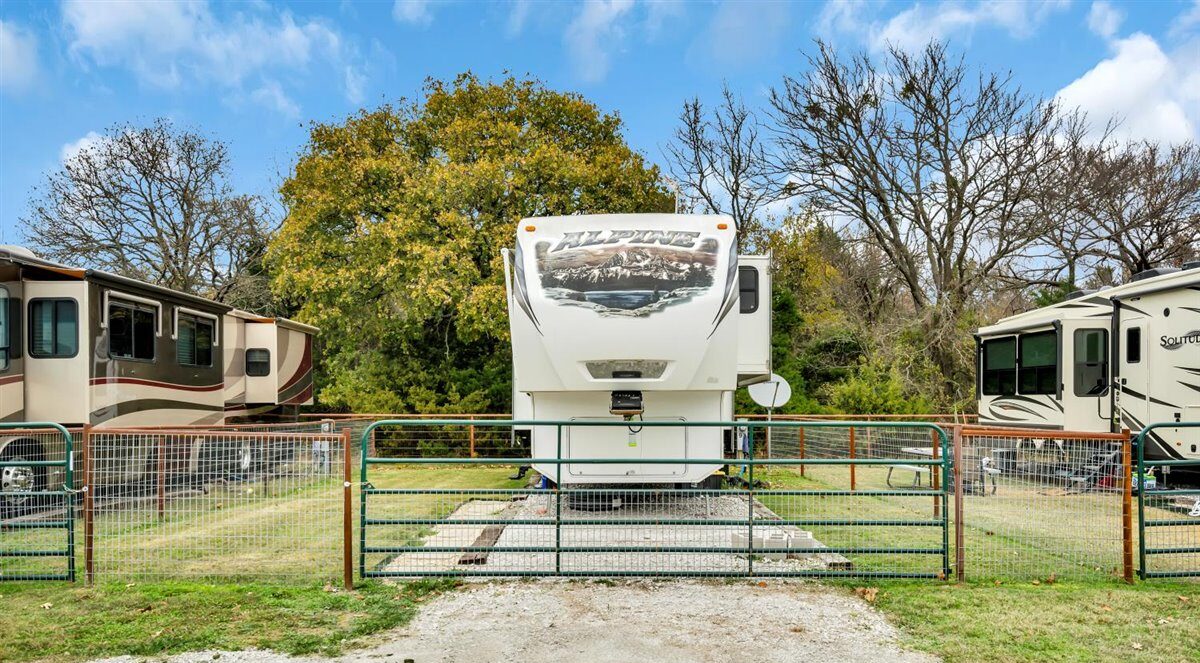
{"x":722,"y":163}
{"x":153,"y":203}
{"x":942,"y":170}
{"x":1144,"y":206}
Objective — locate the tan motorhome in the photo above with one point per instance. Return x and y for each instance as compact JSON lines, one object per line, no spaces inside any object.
{"x":81,"y":346}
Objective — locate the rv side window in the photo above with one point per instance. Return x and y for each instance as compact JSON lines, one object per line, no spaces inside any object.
{"x":748,"y":289}
{"x":1091,"y":362}
{"x":1133,"y":345}
{"x":5,"y":339}
{"x":131,"y":331}
{"x":53,"y":328}
{"x":1000,"y":367}
{"x":194,"y":342}
{"x":258,"y":362}
{"x":1038,"y":371}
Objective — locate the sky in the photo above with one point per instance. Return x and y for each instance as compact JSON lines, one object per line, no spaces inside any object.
{"x":256,"y":74}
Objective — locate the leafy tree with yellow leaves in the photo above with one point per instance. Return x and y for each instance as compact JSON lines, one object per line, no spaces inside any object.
{"x":395,"y":222}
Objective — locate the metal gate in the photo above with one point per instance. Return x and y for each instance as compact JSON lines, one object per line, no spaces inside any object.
{"x":1168,"y":532}
{"x":833,"y":499}
{"x":38,"y":522}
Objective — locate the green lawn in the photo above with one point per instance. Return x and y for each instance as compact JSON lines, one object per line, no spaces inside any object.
{"x":59,"y":622}
{"x":1099,"y":621}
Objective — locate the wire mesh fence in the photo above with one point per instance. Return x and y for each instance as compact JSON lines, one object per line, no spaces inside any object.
{"x":37,"y":498}
{"x":205,"y":505}
{"x":1044,"y":504}
{"x":1169,"y":514}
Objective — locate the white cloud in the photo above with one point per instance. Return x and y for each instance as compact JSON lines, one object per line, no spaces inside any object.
{"x":744,"y":33}
{"x":518,"y":14}
{"x":1104,"y":19}
{"x":18,"y":57}
{"x":356,"y":81}
{"x":593,"y":34}
{"x":1187,"y":21}
{"x":1156,"y":96}
{"x":271,"y":95}
{"x":412,"y":12}
{"x":171,"y":44}
{"x":69,"y":150}
{"x":916,"y":26}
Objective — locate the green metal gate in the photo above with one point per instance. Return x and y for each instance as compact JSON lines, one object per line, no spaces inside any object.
{"x":1180,"y":553}
{"x":826,"y":477}
{"x":43,"y":509}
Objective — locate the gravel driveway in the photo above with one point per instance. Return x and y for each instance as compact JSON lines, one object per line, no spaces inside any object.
{"x":602,"y":622}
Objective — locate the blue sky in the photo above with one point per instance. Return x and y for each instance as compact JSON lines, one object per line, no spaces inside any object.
{"x":255,"y":73}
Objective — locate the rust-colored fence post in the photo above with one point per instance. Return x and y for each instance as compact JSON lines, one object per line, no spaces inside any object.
{"x":935,"y":475}
{"x":347,"y":514}
{"x":801,"y":450}
{"x":471,"y":432}
{"x":853,"y":476}
{"x":162,"y":476}
{"x":959,"y":553}
{"x":1127,"y":506}
{"x":89,"y":509}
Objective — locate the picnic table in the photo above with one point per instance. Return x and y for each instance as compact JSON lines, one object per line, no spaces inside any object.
{"x":918,"y":471}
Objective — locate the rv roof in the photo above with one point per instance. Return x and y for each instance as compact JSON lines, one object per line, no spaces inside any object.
{"x":1095,"y":305}
{"x":23,"y":256}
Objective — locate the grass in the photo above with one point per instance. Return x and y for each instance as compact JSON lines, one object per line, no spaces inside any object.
{"x":1063,"y":621}
{"x":57,"y":622}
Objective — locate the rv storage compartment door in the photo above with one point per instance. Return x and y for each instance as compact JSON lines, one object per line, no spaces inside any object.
{"x":754,"y":319}
{"x":626,"y":442}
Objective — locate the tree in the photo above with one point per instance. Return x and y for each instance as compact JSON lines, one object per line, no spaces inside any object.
{"x":395,"y":223}
{"x":1144,"y":206}
{"x":722,"y":164}
{"x":152,"y":203}
{"x":941,"y":170}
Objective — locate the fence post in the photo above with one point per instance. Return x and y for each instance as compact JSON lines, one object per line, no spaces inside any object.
{"x":1127,"y":507}
{"x":853,"y":477}
{"x":347,"y":515}
{"x":89,"y":515}
{"x":471,"y":432}
{"x":959,"y":553}
{"x":933,"y":474}
{"x":802,"y":450}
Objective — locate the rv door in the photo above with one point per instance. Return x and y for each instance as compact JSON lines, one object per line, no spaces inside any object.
{"x":1134,"y":381}
{"x":754,"y":319}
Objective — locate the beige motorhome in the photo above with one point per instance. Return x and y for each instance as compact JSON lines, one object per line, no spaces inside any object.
{"x":81,"y":346}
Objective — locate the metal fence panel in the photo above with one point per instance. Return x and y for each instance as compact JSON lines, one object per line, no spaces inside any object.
{"x":37,"y":502}
{"x":1044,"y":504}
{"x":216,"y":505}
{"x":827,"y":514}
{"x":1168,"y":517}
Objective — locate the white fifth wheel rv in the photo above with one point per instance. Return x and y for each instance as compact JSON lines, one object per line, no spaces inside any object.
{"x":633,"y":317}
{"x":1122,"y":357}
{"x":81,"y":346}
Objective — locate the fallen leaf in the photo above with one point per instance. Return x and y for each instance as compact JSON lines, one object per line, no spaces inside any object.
{"x":1184,"y":599}
{"x":1051,"y":579}
{"x":868,"y":594}
{"x":1106,"y":608}
{"x":1037,"y":582}
{"x":1137,"y":646}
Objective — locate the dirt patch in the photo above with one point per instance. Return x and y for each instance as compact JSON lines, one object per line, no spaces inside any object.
{"x":602,"y":622}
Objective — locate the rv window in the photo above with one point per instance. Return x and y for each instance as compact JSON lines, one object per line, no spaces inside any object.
{"x":1000,"y":366}
{"x":1038,"y":371}
{"x":131,"y":331}
{"x":4,"y":336}
{"x":1133,"y":345}
{"x":258,"y":362}
{"x":748,"y":289}
{"x":1091,"y":362}
{"x":53,"y":328}
{"x":194,"y":342}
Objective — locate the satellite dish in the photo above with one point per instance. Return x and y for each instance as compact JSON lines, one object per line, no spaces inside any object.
{"x":773,"y":393}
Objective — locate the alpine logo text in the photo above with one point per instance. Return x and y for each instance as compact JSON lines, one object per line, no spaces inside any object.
{"x":677,"y":238}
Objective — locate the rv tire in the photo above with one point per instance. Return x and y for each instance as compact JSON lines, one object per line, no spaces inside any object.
{"x":18,"y":479}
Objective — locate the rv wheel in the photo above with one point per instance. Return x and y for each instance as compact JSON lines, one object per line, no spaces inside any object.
{"x":17,"y":481}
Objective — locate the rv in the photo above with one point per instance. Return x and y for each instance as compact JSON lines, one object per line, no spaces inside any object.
{"x":1122,"y":357}
{"x":633,"y":318}
{"x":84,"y":347}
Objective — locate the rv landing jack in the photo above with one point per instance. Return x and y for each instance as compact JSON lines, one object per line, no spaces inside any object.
{"x":521,"y":472}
